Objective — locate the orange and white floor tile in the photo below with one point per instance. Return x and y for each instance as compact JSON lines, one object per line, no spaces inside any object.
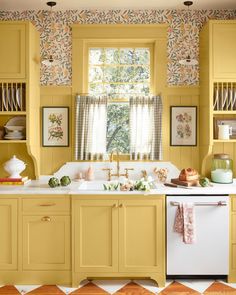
{"x":127,"y":287}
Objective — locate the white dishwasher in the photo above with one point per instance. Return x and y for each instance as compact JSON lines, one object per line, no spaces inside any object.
{"x":209,"y":255}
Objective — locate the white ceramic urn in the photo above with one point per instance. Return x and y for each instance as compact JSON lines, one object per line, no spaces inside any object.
{"x":14,"y":167}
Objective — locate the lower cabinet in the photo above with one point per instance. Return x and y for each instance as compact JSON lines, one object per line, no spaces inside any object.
{"x":119,"y":237}
{"x":46,"y":242}
{"x":8,"y":234}
{"x":232,"y":258}
{"x":96,"y":236}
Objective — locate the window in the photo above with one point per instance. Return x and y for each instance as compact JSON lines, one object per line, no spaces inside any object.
{"x":119,"y":72}
{"x":116,"y":62}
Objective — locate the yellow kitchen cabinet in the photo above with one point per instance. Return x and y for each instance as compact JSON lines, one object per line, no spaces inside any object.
{"x":232,"y":257}
{"x":8,"y":234}
{"x":46,"y":242}
{"x":118,"y":236}
{"x":217,"y":84}
{"x":141,"y":235}
{"x":223,"y":50}
{"x":20,"y":89}
{"x":96,"y":235}
{"x":12,"y":50}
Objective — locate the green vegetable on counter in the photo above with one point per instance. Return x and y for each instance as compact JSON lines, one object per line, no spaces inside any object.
{"x":53,"y":182}
{"x":204,"y":182}
{"x":65,"y":180}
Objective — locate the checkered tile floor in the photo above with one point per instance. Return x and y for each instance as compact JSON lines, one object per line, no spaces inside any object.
{"x":127,"y":287}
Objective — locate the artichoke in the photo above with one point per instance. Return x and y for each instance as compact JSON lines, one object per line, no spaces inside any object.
{"x":204,"y":181}
{"x":53,"y":182}
{"x":65,"y":180}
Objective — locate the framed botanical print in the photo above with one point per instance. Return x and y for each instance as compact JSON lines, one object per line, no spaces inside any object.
{"x":183,"y":125}
{"x":55,"y":126}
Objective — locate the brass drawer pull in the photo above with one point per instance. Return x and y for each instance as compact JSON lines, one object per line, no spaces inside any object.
{"x":47,"y":205}
{"x":121,"y":205}
{"x":46,"y":218}
{"x":114,"y":205}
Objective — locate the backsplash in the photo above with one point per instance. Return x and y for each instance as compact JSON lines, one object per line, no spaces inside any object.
{"x":61,"y":37}
{"x":73,"y":169}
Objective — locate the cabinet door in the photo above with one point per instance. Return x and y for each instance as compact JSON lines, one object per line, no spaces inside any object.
{"x":8,"y":234}
{"x":46,"y":242}
{"x":12,"y":50}
{"x":96,"y":235}
{"x":224,"y":48}
{"x":141,"y":235}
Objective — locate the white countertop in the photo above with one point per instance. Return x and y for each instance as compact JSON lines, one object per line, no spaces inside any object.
{"x":41,"y":187}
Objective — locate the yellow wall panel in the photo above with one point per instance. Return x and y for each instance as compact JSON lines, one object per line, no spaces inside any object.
{"x":52,"y":158}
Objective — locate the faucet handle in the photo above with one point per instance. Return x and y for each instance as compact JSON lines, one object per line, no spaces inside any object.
{"x":127,"y":171}
{"x":109,"y":172}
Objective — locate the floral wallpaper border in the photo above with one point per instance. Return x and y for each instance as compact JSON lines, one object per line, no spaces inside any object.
{"x":182,"y":28}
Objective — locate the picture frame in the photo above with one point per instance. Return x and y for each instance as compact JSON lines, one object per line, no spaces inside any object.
{"x":55,"y":126}
{"x":231,"y":121}
{"x":183,"y":125}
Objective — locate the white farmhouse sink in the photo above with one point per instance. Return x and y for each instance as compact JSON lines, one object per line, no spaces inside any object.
{"x":96,"y":185}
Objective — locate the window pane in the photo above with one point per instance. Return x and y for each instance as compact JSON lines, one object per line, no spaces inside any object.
{"x":126,"y":74}
{"x":111,"y":89}
{"x":118,"y":127}
{"x":96,"y":56}
{"x":142,"y":56}
{"x":127,"y":56}
{"x":95,"y":74}
{"x":112,"y":56}
{"x":142,"y":88}
{"x":141,"y":74}
{"x":111,"y":74}
{"x":96,"y":89}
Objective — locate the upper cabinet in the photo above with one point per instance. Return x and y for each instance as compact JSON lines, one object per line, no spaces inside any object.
{"x":217,"y":89}
{"x":12,"y":50}
{"x":20,"y":94}
{"x":223,"y":50}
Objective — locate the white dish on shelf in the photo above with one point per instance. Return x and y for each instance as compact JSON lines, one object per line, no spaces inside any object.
{"x":230,"y":98}
{"x":17,"y":121}
{"x":234,"y":100}
{"x":18,"y":98}
{"x":13,"y":97}
{"x":14,"y":129}
{"x":224,"y":99}
{"x":9,"y":100}
{"x":216,"y":99}
{"x":4,"y":99}
{"x":14,"y":137}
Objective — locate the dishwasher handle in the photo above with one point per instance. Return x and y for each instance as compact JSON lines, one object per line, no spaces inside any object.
{"x":220,"y":203}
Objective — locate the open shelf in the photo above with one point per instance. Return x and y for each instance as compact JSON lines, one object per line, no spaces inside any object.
{"x":224,"y":112}
{"x":225,"y":140}
{"x":12,"y":141}
{"x":13,"y":113}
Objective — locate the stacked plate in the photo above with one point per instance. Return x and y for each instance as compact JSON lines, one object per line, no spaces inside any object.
{"x":15,"y":128}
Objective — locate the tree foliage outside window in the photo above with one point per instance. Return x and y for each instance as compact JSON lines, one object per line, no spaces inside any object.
{"x":118,"y":127}
{"x":119,"y":73}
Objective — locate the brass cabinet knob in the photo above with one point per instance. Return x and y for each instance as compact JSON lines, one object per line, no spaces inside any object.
{"x":121,"y":205}
{"x":46,"y":218}
{"x":115,"y":206}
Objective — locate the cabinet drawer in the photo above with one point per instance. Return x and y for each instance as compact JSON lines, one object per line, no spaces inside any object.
{"x":41,"y":205}
{"x":233,"y":204}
